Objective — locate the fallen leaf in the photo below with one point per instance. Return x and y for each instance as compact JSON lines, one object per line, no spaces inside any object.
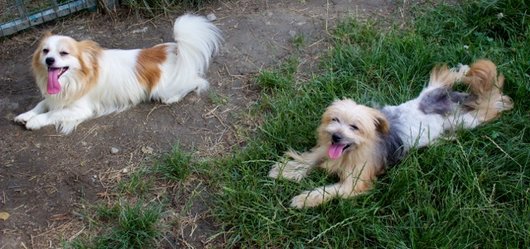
{"x":59,"y":217}
{"x":4,"y":215}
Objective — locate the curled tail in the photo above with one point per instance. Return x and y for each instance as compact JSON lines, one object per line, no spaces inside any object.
{"x":197,"y":41}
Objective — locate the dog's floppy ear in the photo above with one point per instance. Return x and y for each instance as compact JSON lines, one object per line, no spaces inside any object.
{"x":89,"y":51}
{"x":46,"y":34}
{"x":380,"y":121}
{"x":35,"y":62}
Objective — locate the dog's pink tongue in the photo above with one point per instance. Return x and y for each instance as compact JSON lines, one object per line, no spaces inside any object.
{"x":53,"y":81}
{"x":335,"y":150}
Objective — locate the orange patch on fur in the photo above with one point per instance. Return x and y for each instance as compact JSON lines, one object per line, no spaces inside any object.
{"x":487,"y":85}
{"x":148,"y":65}
{"x":482,"y":77}
{"x":39,"y":68}
{"x":87,"y":54}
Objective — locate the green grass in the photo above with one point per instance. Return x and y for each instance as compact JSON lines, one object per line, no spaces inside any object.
{"x":129,"y":221}
{"x":124,"y":225}
{"x":298,"y":41}
{"x":217,"y":98}
{"x":176,"y":166}
{"x":472,"y":192}
{"x":137,"y":184}
{"x":136,"y":226}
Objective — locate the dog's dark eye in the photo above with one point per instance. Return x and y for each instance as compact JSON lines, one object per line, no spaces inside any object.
{"x":354,"y":127}
{"x":45,"y":50}
{"x":335,"y":120}
{"x":63,"y":53}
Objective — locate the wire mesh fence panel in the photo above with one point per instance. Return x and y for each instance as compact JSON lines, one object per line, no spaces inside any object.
{"x":17,"y":15}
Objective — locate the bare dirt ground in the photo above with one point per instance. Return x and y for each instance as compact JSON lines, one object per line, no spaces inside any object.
{"x":46,"y":177}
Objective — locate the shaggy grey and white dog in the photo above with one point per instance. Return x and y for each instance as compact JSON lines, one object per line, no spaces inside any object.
{"x":358,"y":143}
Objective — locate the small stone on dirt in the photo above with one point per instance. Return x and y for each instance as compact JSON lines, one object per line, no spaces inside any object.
{"x":147,"y":150}
{"x":211,"y":17}
{"x":4,"y":215}
{"x":114,"y":150}
{"x":142,"y":30}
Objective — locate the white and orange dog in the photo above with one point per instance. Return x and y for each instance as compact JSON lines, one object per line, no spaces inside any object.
{"x":358,"y":143}
{"x":80,"y":80}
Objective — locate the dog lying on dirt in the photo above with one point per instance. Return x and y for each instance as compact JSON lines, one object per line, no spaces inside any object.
{"x":80,"y":80}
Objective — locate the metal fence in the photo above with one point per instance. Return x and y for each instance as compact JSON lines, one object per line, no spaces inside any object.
{"x":17,"y":15}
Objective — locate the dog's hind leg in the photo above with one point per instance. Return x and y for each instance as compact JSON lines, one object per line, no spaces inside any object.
{"x":299,"y":167}
{"x":441,"y":76}
{"x":199,"y":85}
{"x":488,"y":100}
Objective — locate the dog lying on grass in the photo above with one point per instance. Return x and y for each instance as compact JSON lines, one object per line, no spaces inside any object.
{"x":358,"y":142}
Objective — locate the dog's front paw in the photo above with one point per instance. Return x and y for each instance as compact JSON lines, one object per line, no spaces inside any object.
{"x":275,"y":171}
{"x":307,"y":199}
{"x":25,"y":117}
{"x":37,"y":122}
{"x":291,"y":170}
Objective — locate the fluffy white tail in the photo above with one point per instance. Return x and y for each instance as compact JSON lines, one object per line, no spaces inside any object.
{"x":197,"y":41}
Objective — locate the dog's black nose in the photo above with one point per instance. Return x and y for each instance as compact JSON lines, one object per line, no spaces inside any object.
{"x":50,"y":61}
{"x":335,"y":138}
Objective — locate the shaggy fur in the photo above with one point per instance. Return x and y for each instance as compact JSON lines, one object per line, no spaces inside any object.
{"x":357,"y":142}
{"x":80,"y":80}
